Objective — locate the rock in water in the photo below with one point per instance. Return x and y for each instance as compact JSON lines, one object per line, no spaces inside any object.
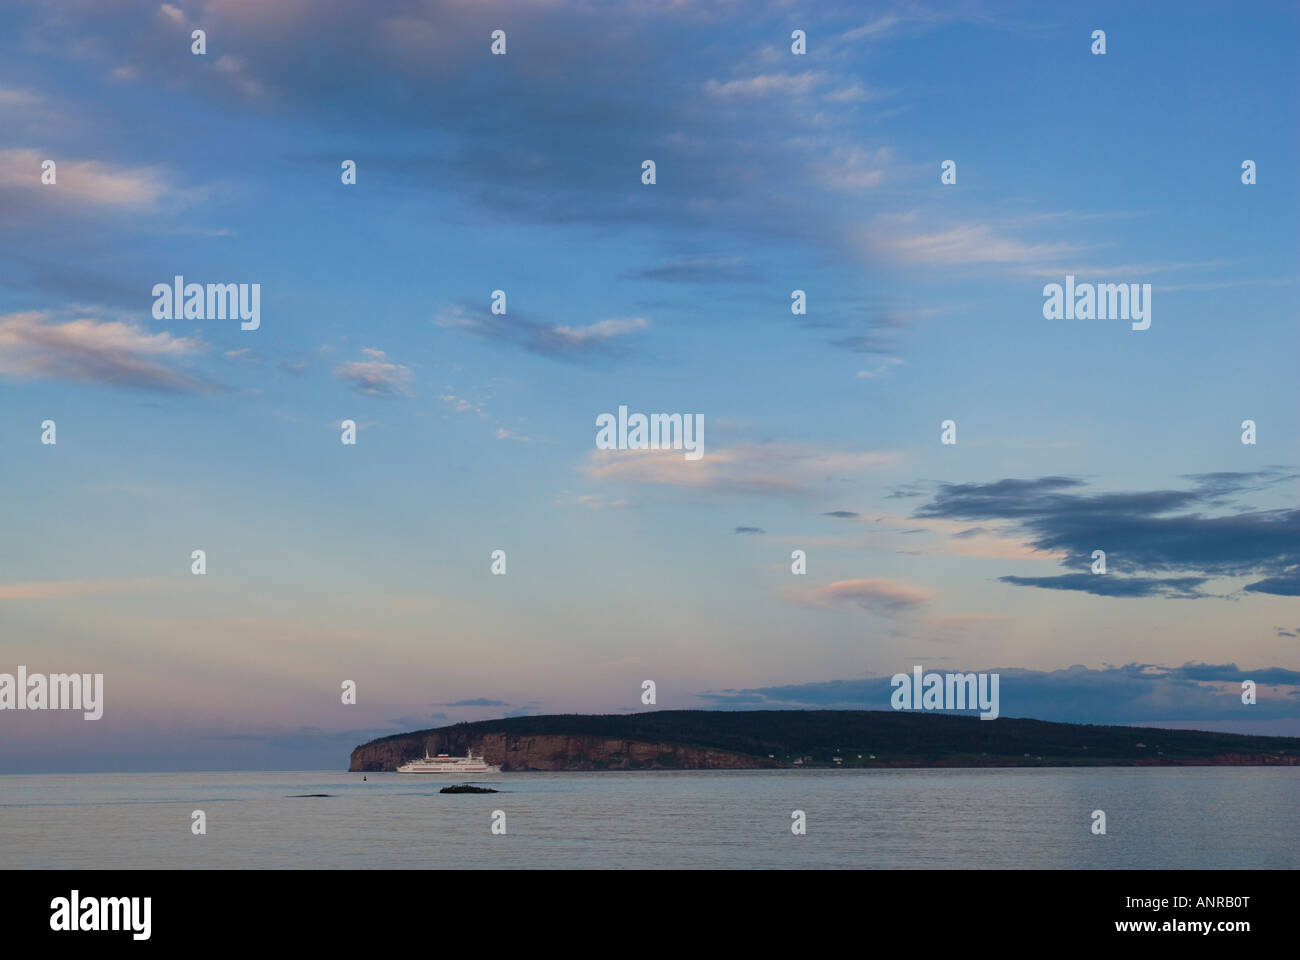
{"x":466,"y":788}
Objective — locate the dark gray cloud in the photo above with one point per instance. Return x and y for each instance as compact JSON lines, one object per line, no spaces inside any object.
{"x":476,"y":702}
{"x":1111,"y":585}
{"x":750,"y":530}
{"x":840,"y":514}
{"x":1287,"y":585}
{"x":1112,"y":694}
{"x":1143,"y":534}
{"x":1222,"y":485}
{"x":907,"y":491}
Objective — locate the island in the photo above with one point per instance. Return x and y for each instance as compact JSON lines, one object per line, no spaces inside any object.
{"x":803,"y":739}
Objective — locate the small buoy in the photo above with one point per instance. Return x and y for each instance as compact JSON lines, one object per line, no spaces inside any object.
{"x":363,"y":779}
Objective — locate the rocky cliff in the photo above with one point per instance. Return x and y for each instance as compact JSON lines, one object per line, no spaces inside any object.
{"x":550,"y":752}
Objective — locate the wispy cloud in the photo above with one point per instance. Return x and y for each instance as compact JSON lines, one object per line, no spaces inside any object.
{"x":759,"y":469}
{"x":700,"y":268}
{"x":560,"y":341}
{"x":63,"y":589}
{"x":901,"y":238}
{"x":851,"y":169}
{"x":765,"y":84}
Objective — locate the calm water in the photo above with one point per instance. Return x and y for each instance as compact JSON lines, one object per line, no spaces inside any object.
{"x":1156,"y":818}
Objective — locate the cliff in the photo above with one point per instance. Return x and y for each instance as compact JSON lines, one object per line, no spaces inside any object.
{"x":719,"y":740}
{"x":549,"y":752}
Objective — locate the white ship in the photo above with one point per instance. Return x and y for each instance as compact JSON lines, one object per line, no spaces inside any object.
{"x":445,"y":764}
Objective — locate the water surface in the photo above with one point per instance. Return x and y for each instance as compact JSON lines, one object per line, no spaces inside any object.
{"x":1199,"y":817}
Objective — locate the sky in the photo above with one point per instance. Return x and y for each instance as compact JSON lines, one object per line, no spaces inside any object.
{"x":476,"y":431}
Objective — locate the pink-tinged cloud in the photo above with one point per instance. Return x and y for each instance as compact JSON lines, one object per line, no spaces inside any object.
{"x":879,"y":595}
{"x":83,"y":182}
{"x":377,"y":375}
{"x":86,"y":350}
{"x":761,"y":469}
{"x":59,"y":589}
{"x":902,"y":238}
{"x":959,"y":538}
{"x":600,"y":330}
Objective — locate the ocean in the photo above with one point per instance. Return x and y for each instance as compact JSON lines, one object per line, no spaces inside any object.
{"x":1179,"y":817}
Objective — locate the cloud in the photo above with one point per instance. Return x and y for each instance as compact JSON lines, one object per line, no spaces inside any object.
{"x":506,"y":133}
{"x":462,"y":404}
{"x":174,"y":14}
{"x":86,"y":350}
{"x":885,"y":365}
{"x":700,"y":268}
{"x":1109,"y":585}
{"x":27,"y":114}
{"x":1160,"y":531}
{"x":235,"y":71}
{"x":376,"y":376}
{"x":12,"y":98}
{"x":878,"y":595}
{"x":61,"y":589}
{"x":476,"y":702}
{"x":855,"y":93}
{"x":559,"y":341}
{"x":841,"y":514}
{"x":895,"y":237}
{"x":779,"y":470}
{"x":874,"y":29}
{"x":870,"y":331}
{"x":765,"y":85}
{"x":598,"y":332}
{"x":750,"y":530}
{"x":1287,"y":585}
{"x":1133,"y":693}
{"x":851,"y":169}
{"x":82,"y":183}
{"x":911,"y":19}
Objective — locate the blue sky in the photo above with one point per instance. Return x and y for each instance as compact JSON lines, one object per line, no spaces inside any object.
{"x":522,"y":172}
